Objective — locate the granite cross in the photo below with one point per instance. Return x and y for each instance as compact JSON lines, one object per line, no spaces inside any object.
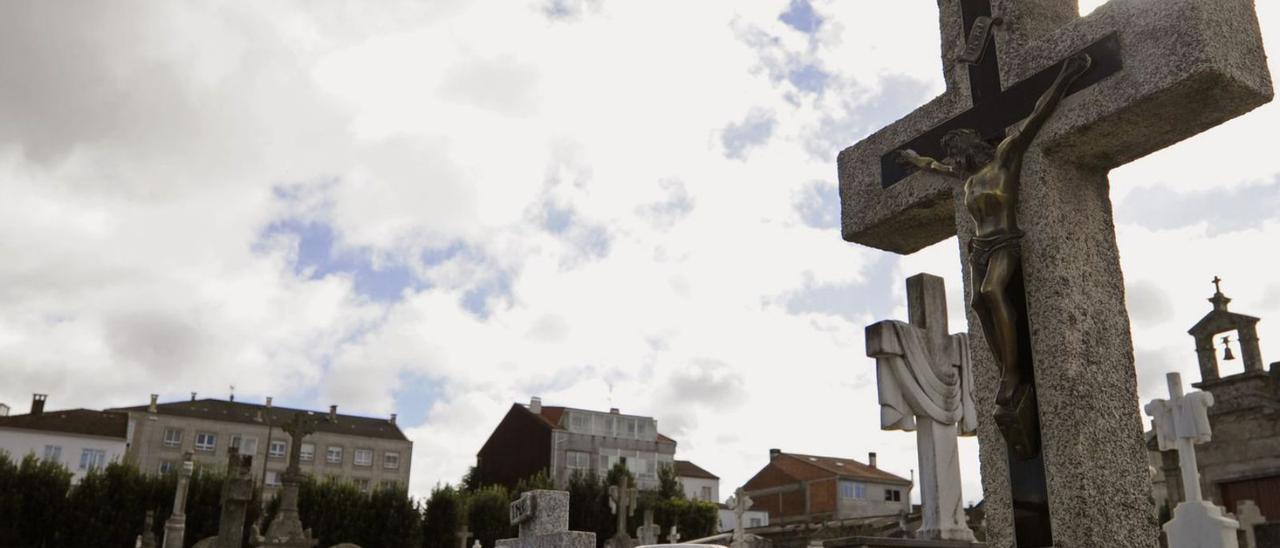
{"x":649,"y":531}
{"x":463,"y":535}
{"x":925,"y":384}
{"x":1163,"y":71}
{"x":1181,"y":422}
{"x":674,"y":536}
{"x":622,"y":500}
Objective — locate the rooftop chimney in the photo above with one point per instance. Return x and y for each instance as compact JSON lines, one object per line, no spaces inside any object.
{"x":268,"y":401}
{"x":535,"y":405}
{"x":773,"y":453}
{"x":155,"y":398}
{"x":614,"y":411}
{"x":393,"y":418}
{"x":871,"y":459}
{"x":333,"y":413}
{"x":37,"y":403}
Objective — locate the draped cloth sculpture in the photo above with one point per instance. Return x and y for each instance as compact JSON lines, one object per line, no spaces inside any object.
{"x":925,"y":381}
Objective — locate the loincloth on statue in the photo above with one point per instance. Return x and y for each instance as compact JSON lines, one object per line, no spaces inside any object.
{"x":982,"y":247}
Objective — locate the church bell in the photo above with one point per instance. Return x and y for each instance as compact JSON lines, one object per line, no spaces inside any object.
{"x":1226,"y":353}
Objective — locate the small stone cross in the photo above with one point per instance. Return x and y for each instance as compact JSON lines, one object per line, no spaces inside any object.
{"x":648,"y":533}
{"x":1249,"y":515}
{"x":674,"y":536}
{"x":463,"y":535}
{"x":1181,"y":422}
{"x":299,"y":426}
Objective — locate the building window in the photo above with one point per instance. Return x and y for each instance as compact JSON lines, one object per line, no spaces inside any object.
{"x":578,"y":423}
{"x":273,"y":478}
{"x":852,"y":490}
{"x":246,"y":445}
{"x":362,"y":484}
{"x":364,"y":457}
{"x":278,"y":448}
{"x":390,"y":460}
{"x":206,"y":441}
{"x":706,"y":493}
{"x":91,"y":459}
{"x":631,"y":428}
{"x":577,"y":460}
{"x":755,"y":522}
{"x":388,"y":484}
{"x":166,"y":466}
{"x":172,"y":437}
{"x":307,"y":452}
{"x":892,"y":495}
{"x":333,"y":455}
{"x":53,"y":453}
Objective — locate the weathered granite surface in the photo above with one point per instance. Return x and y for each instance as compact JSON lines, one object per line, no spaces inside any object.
{"x":543,"y":519}
{"x":1187,"y":65}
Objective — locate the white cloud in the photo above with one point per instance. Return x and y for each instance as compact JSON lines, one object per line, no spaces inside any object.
{"x":560,"y":186}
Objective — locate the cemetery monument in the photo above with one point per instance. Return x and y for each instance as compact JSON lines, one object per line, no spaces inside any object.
{"x":543,"y":518}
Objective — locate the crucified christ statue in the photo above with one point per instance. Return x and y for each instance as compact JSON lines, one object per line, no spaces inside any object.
{"x":991,"y":178}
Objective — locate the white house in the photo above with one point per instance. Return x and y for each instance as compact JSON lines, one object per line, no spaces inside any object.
{"x":80,"y":439}
{"x":698,"y":483}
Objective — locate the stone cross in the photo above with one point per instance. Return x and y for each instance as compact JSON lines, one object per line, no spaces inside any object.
{"x":286,"y":530}
{"x":1181,"y":422}
{"x":740,"y":503}
{"x":622,"y":501}
{"x":237,"y":493}
{"x":463,"y":535}
{"x":925,"y":384}
{"x":476,"y":545}
{"x":543,"y":520}
{"x":1163,"y":71}
{"x":148,"y":538}
{"x":175,"y":526}
{"x":648,"y":533}
{"x":673,"y":537}
{"x":1249,"y":515}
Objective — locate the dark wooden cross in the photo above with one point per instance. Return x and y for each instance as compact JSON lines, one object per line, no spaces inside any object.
{"x":1163,"y":71}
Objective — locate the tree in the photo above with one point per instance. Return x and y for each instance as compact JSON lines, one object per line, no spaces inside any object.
{"x":489,"y":514}
{"x":668,"y":484}
{"x":442,"y":517}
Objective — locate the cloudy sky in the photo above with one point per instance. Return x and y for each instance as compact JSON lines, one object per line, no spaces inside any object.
{"x":440,"y":208}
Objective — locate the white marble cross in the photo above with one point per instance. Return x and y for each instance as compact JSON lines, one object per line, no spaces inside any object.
{"x":1164,"y":71}
{"x":740,"y":503}
{"x":649,"y":531}
{"x":1181,"y":422}
{"x":925,"y":383}
{"x":1249,"y":515}
{"x":674,"y":536}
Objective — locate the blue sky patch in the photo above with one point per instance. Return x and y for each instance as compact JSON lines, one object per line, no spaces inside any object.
{"x":808,"y":78}
{"x":818,"y":205}
{"x":318,"y":257}
{"x":754,"y":130}
{"x":800,"y":16}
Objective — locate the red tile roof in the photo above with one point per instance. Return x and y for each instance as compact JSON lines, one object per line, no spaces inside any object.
{"x":72,"y":421}
{"x":686,"y":469}
{"x":800,"y":467}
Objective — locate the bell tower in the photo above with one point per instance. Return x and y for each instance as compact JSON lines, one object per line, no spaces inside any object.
{"x":1218,"y":321}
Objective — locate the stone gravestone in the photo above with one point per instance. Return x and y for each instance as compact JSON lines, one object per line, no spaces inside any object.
{"x":673,"y":537}
{"x":543,"y":518}
{"x":1249,"y":516}
{"x":175,"y":526}
{"x":1181,"y":422}
{"x":925,"y":384}
{"x":286,"y":531}
{"x":237,"y":493}
{"x":649,"y":531}
{"x":148,"y":538}
{"x":622,"y":501}
{"x":1161,"y":72}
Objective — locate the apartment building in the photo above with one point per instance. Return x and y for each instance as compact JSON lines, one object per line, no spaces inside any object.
{"x":80,"y":439}
{"x":369,"y":452}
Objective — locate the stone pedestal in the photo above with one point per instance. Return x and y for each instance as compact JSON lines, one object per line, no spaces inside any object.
{"x":1200,"y":524}
{"x":543,"y":517}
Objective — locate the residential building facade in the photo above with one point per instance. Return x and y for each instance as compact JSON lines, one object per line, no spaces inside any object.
{"x":805,"y":488}
{"x":80,"y":439}
{"x":560,"y":441}
{"x":368,"y":452}
{"x":697,"y":482}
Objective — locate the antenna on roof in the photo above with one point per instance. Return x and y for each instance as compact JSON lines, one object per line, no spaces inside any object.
{"x":610,"y":385}
{"x":233,"y":393}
